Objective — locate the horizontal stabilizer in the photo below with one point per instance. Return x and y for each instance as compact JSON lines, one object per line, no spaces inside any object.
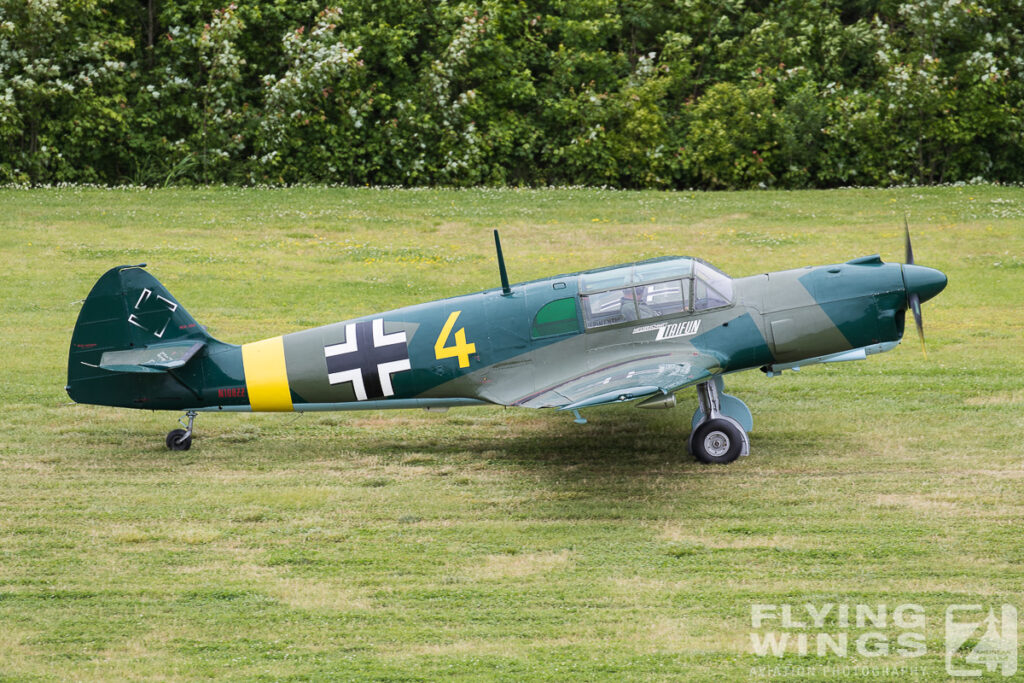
{"x":154,"y":358}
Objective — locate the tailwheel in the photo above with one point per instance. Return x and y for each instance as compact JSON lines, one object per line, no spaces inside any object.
{"x":181,"y":439}
{"x":717,"y":441}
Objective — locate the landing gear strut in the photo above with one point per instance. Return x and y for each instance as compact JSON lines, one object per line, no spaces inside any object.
{"x":181,"y":439}
{"x":718,"y":436}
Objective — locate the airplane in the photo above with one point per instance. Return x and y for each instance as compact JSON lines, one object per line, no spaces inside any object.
{"x":639,"y":331}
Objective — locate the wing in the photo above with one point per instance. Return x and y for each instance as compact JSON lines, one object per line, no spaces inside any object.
{"x":626,"y":381}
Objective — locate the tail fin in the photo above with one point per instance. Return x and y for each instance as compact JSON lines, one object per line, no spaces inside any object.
{"x":130,"y":337}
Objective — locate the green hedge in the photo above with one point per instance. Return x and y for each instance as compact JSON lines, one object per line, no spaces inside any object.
{"x":632,"y":93}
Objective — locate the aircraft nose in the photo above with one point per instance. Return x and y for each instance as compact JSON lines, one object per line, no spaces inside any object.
{"x":925,"y":282}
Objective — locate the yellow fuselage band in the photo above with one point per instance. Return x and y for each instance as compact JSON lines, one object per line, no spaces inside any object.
{"x":266,"y":377}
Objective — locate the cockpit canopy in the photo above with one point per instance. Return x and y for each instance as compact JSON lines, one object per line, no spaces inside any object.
{"x":650,"y":290}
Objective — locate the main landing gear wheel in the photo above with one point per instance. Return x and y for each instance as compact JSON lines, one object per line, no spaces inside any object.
{"x":181,"y":439}
{"x":717,"y":441}
{"x":719,"y":435}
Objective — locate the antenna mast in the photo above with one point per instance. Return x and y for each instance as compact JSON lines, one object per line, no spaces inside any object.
{"x":505,"y":289}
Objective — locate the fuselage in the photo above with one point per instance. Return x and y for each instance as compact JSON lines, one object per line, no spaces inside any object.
{"x":517,"y":348}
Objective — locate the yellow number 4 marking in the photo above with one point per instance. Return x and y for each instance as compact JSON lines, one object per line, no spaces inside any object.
{"x":461,"y":350}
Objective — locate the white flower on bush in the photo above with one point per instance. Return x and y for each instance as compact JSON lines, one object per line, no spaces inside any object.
{"x":317,"y":60}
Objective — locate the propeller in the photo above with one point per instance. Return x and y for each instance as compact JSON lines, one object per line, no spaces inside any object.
{"x":913,"y":299}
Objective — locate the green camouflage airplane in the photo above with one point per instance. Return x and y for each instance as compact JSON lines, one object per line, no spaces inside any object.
{"x":641,"y":330}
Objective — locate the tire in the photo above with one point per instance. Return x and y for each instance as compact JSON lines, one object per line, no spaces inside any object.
{"x":175,"y":441}
{"x":717,"y":442}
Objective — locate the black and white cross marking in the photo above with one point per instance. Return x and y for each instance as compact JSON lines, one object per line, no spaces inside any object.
{"x":148,"y":310}
{"x":367,"y":358}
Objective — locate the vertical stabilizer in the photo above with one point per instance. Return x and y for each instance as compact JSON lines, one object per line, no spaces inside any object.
{"x":130,"y":342}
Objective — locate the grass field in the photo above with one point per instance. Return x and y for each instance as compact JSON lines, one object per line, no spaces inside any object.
{"x":491,"y":543}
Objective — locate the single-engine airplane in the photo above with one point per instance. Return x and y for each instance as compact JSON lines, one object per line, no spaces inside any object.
{"x":634,"y":332}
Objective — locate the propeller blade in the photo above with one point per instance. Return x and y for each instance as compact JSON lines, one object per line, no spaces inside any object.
{"x":915,"y":305}
{"x":906,"y":233}
{"x":913,"y":298}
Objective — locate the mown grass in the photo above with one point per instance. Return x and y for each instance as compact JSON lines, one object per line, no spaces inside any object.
{"x":495,"y":543}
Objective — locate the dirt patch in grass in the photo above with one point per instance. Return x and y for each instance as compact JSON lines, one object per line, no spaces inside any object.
{"x":504,"y":566}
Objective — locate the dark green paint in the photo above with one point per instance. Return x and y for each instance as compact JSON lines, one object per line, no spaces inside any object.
{"x":925,"y":282}
{"x":118,"y":315}
{"x":859,"y":297}
{"x":737,"y":344}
